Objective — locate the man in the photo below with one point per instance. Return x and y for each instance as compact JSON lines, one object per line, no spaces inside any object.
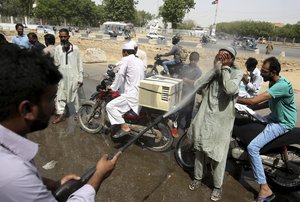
{"x":251,"y":81}
{"x":67,"y":58}
{"x":280,"y":99}
{"x":131,"y":71}
{"x":175,"y":51}
{"x":26,"y":105}
{"x":189,"y":75}
{"x":211,"y":129}
{"x":50,"y":43}
{"x":34,"y":42}
{"x":140,"y":54}
{"x":269,"y":48}
{"x":21,"y":39}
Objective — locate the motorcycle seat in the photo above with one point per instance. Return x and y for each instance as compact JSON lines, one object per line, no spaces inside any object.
{"x":131,"y":114}
{"x":248,"y":131}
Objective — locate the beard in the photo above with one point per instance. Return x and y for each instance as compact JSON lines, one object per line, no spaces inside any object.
{"x":65,"y":45}
{"x":41,"y":122}
{"x":267,"y":77}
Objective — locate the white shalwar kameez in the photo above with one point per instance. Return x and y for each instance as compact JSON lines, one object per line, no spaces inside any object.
{"x":143,"y":56}
{"x":70,"y":66}
{"x":131,"y":71}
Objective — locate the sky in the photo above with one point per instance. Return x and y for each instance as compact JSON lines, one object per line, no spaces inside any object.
{"x":276,"y":11}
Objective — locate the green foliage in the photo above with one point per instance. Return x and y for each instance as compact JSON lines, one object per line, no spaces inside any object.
{"x":188,"y":24}
{"x":77,"y":12}
{"x":27,"y":7}
{"x":258,"y":29}
{"x":11,"y":8}
{"x":174,"y":10}
{"x":50,"y":11}
{"x":246,"y":28}
{"x":142,"y":18}
{"x":120,"y":10}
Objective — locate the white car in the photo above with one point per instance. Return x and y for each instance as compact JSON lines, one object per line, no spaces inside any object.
{"x":153,"y":35}
{"x":45,"y":29}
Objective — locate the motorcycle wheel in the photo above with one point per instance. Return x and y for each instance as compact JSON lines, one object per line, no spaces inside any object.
{"x":284,"y":180}
{"x":150,"y":71}
{"x":184,"y":153}
{"x":161,"y":138}
{"x":91,"y":119}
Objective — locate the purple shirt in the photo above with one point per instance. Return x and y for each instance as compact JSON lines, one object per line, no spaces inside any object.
{"x":20,"y":179}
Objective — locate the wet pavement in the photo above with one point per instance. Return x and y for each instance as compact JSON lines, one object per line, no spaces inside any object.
{"x":140,"y":175}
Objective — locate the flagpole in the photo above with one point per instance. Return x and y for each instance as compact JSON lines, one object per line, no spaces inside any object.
{"x":213,"y":31}
{"x":215,"y":20}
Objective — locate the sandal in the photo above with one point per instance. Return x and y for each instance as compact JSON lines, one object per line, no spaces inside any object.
{"x":121,"y":133}
{"x":59,"y":118}
{"x":195,"y":184}
{"x":265,"y":199}
{"x":216,"y":194}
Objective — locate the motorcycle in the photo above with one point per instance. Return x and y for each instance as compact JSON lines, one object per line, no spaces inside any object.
{"x":93,"y":118}
{"x":174,"y":70}
{"x":280,"y":157}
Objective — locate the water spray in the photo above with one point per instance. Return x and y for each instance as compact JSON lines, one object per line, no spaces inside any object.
{"x":64,"y":191}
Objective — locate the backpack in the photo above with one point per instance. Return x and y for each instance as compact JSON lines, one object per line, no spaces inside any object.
{"x":183,"y":54}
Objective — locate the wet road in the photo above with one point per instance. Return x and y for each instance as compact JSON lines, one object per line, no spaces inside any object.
{"x":140,"y":175}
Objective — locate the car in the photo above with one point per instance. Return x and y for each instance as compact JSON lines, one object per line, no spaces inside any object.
{"x":247,"y":43}
{"x":44,"y":28}
{"x":152,"y":35}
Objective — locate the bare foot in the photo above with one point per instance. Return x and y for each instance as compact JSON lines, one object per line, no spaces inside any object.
{"x":125,"y":127}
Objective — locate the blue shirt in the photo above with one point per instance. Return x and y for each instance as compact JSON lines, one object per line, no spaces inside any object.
{"x":192,"y":73}
{"x":20,"y":179}
{"x":282,"y":105}
{"x":21,"y":41}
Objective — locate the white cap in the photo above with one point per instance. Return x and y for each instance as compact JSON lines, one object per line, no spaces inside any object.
{"x":133,"y":43}
{"x":128,"y":46}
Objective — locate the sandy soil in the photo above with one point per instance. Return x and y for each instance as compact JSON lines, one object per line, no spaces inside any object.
{"x":290,"y":66}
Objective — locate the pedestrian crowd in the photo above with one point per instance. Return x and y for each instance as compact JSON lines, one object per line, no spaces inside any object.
{"x":38,"y":80}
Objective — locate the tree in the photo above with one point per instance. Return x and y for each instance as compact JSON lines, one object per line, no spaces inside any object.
{"x":247,"y":28}
{"x":76,"y":12}
{"x":174,"y":10}
{"x":27,"y":6}
{"x":50,"y":10}
{"x":11,"y":8}
{"x":188,"y":24}
{"x":142,"y":18}
{"x":120,"y":10}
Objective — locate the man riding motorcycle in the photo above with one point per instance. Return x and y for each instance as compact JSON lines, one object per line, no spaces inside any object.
{"x":281,"y":101}
{"x":128,"y":78}
{"x":175,"y":51}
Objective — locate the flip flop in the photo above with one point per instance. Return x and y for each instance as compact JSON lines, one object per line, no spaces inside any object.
{"x":120,"y":133}
{"x":266,"y":199}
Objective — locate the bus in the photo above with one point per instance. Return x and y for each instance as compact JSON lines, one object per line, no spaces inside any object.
{"x":114,"y":28}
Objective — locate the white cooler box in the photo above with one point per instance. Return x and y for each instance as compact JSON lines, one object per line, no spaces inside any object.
{"x":159,"y":92}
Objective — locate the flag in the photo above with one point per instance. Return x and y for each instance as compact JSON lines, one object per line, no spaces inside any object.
{"x":215,"y":2}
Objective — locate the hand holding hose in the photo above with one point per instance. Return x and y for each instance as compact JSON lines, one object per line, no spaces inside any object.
{"x":105,"y":166}
{"x":93,"y":176}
